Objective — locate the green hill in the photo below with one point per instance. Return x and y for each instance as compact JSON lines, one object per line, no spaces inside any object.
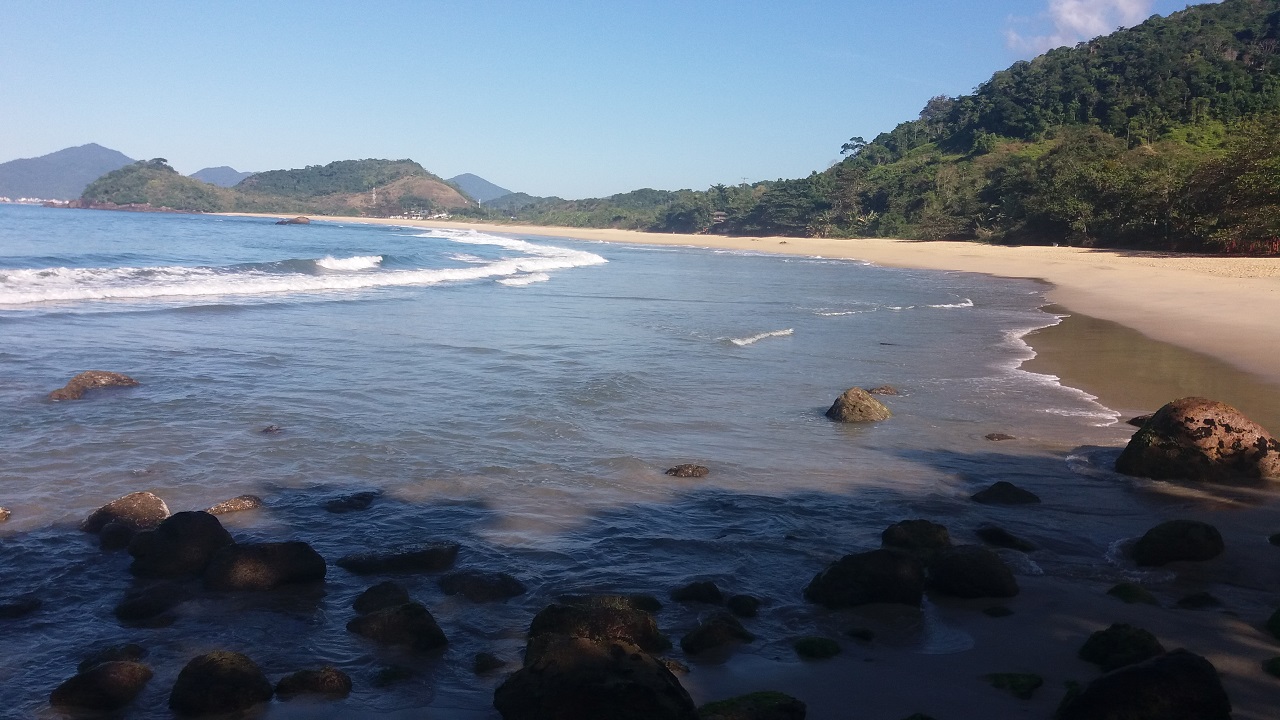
{"x":154,"y":183}
{"x":60,"y":175}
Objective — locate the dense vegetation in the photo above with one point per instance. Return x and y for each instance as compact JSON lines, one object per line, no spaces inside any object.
{"x":1166,"y":135}
{"x":153,"y":182}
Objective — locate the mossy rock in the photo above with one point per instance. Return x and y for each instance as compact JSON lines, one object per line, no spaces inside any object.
{"x":1133,"y":593}
{"x":1120,"y":645}
{"x":1272,"y":666}
{"x":766,"y":705}
{"x":1022,"y":685}
{"x":816,"y":648}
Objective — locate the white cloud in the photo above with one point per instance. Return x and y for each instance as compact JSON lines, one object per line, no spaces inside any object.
{"x":1074,"y":20}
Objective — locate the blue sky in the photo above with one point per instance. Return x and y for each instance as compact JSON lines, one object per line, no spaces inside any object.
{"x":570,"y":98}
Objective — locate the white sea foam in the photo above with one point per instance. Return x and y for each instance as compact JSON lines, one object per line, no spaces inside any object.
{"x":966,"y":303}
{"x":522,"y":280}
{"x":743,"y":342}
{"x":60,"y":284}
{"x":358,"y":262}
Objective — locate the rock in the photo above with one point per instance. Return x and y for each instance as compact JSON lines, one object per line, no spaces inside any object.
{"x":866,"y":635}
{"x":883,"y":390}
{"x":4,"y":514}
{"x":704,"y":591}
{"x":19,"y":606}
{"x":1203,"y":441}
{"x":219,"y":682}
{"x":138,"y":511}
{"x":1005,"y":493}
{"x":997,"y":611}
{"x":856,"y":406}
{"x":1120,"y":645}
{"x":486,"y":663}
{"x":1198,"y":601}
{"x":1140,"y":420}
{"x":635,"y":601}
{"x":103,"y":688}
{"x":888,"y":576}
{"x":1022,"y":685}
{"x":918,"y":537}
{"x":1274,"y":539}
{"x":971,"y":571}
{"x":576,"y":678}
{"x":145,"y":603}
{"x":481,"y":587}
{"x":300,"y":220}
{"x":428,"y":557}
{"x":390,"y":675}
{"x":1273,"y":624}
{"x":352,"y":503}
{"x":999,"y":537}
{"x":816,"y":648}
{"x":115,"y":536}
{"x":89,"y":380}
{"x":383,"y":595}
{"x":998,"y":437}
{"x":1272,"y":667}
{"x":1174,"y":686}
{"x":602,"y":622}
{"x":717,"y":630}
{"x":271,"y":430}
{"x":264,"y":566}
{"x":131,"y":652}
{"x":1178,"y":540}
{"x":409,"y":625}
{"x":743,"y":605}
{"x":239,"y":503}
{"x":767,"y":705}
{"x":675,"y":666}
{"x":182,"y":545}
{"x":328,"y":681}
{"x":1133,"y":593}
{"x":689,"y":471}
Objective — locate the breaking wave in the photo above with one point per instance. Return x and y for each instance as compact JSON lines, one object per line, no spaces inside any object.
{"x":743,"y":342}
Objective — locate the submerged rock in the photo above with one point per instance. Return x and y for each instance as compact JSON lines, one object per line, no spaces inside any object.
{"x":1132,"y":593}
{"x":131,"y":652}
{"x":971,"y":571}
{"x":1120,"y":645}
{"x":919,"y":537}
{"x":19,"y":606}
{"x":481,"y":587}
{"x":720,"y":628}
{"x":383,"y":595}
{"x":352,"y":503}
{"x":813,"y":647}
{"x":888,"y":576}
{"x":485,"y":663}
{"x":182,"y":545}
{"x":1005,"y":493}
{"x":745,"y":606}
{"x":689,"y":471}
{"x":410,"y":625}
{"x":137,"y":511}
{"x":703,"y":591}
{"x":1178,"y":540}
{"x":1175,"y":686}
{"x":1201,"y":440}
{"x":856,"y":405}
{"x":883,"y":390}
{"x":427,"y":557}
{"x":219,"y":682}
{"x":264,"y":566}
{"x":328,"y":682}
{"x":150,"y":601}
{"x":998,"y":437}
{"x":89,"y":380}
{"x":767,"y":705}
{"x":102,"y":688}
{"x":239,"y":503}
{"x":999,"y":537}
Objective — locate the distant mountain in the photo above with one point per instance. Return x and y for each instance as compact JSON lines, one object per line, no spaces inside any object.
{"x":61,"y":175}
{"x":513,"y":202}
{"x":222,"y":176}
{"x":478,"y":188}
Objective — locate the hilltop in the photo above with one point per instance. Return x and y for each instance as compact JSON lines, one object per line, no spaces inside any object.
{"x":222,"y":176}
{"x":477,"y":188}
{"x":60,"y":175}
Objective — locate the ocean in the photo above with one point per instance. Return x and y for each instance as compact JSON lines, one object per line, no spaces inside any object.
{"x":521,"y":396}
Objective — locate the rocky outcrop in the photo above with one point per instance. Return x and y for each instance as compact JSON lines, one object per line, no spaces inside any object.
{"x":1120,"y":645}
{"x":239,"y":503}
{"x":264,"y":566}
{"x":328,"y":682}
{"x":142,"y":604}
{"x":300,"y":220}
{"x":90,"y":380}
{"x":1176,"y":686}
{"x":219,"y":682}
{"x":1005,"y":493}
{"x":767,"y":705}
{"x":602,"y":621}
{"x":102,"y":688}
{"x":856,"y":406}
{"x":428,"y":557}
{"x":918,"y":537}
{"x":137,"y":511}
{"x":182,"y":545}
{"x":971,"y":571}
{"x":383,"y":595}
{"x":410,"y":625}
{"x":689,"y":471}
{"x":1178,"y":540}
{"x":718,"y":629}
{"x":481,"y":587}
{"x":888,"y":576}
{"x":1204,"y":441}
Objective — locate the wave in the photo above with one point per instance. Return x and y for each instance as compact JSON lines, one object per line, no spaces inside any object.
{"x":522,"y":280}
{"x":359,"y":262}
{"x":966,"y":303}
{"x":743,"y":342}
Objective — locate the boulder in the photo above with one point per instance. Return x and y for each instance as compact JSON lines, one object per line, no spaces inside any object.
{"x":89,"y":380}
{"x":878,"y":576}
{"x":1203,"y":441}
{"x":971,"y":571}
{"x":883,"y":390}
{"x":634,"y":601}
{"x":602,"y":621}
{"x":427,"y":557}
{"x":328,"y":682}
{"x":383,"y":595}
{"x":1120,"y":645}
{"x":704,"y":591}
{"x":1005,"y":493}
{"x":1175,"y":686}
{"x":410,"y":625}
{"x":720,"y":628}
{"x":102,"y":688}
{"x":1001,"y":538}
{"x":998,"y":437}
{"x":138,"y":511}
{"x":1178,"y":540}
{"x":689,"y":471}
{"x":813,"y":647}
{"x":1132,"y":593}
{"x":115,"y":536}
{"x":745,"y":606}
{"x":352,"y":503}
{"x":131,"y":652}
{"x":4,"y":514}
{"x":219,"y":682}
{"x":919,"y":537}
{"x":264,"y":566}
{"x":480,"y":587}
{"x":484,"y":663}
{"x":239,"y":503}
{"x":142,"y":604}
{"x":765,"y":705}
{"x":576,"y":678}
{"x":856,"y":406}
{"x":300,"y":220}
{"x":182,"y":545}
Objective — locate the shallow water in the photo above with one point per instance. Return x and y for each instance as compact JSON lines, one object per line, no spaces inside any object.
{"x":521,"y":397}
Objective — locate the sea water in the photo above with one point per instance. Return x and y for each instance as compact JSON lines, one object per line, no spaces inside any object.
{"x":521,"y":396}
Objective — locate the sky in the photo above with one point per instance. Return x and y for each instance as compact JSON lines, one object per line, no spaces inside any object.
{"x":574,"y":98}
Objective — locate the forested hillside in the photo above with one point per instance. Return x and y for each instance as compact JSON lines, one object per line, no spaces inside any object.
{"x":1166,"y":135}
